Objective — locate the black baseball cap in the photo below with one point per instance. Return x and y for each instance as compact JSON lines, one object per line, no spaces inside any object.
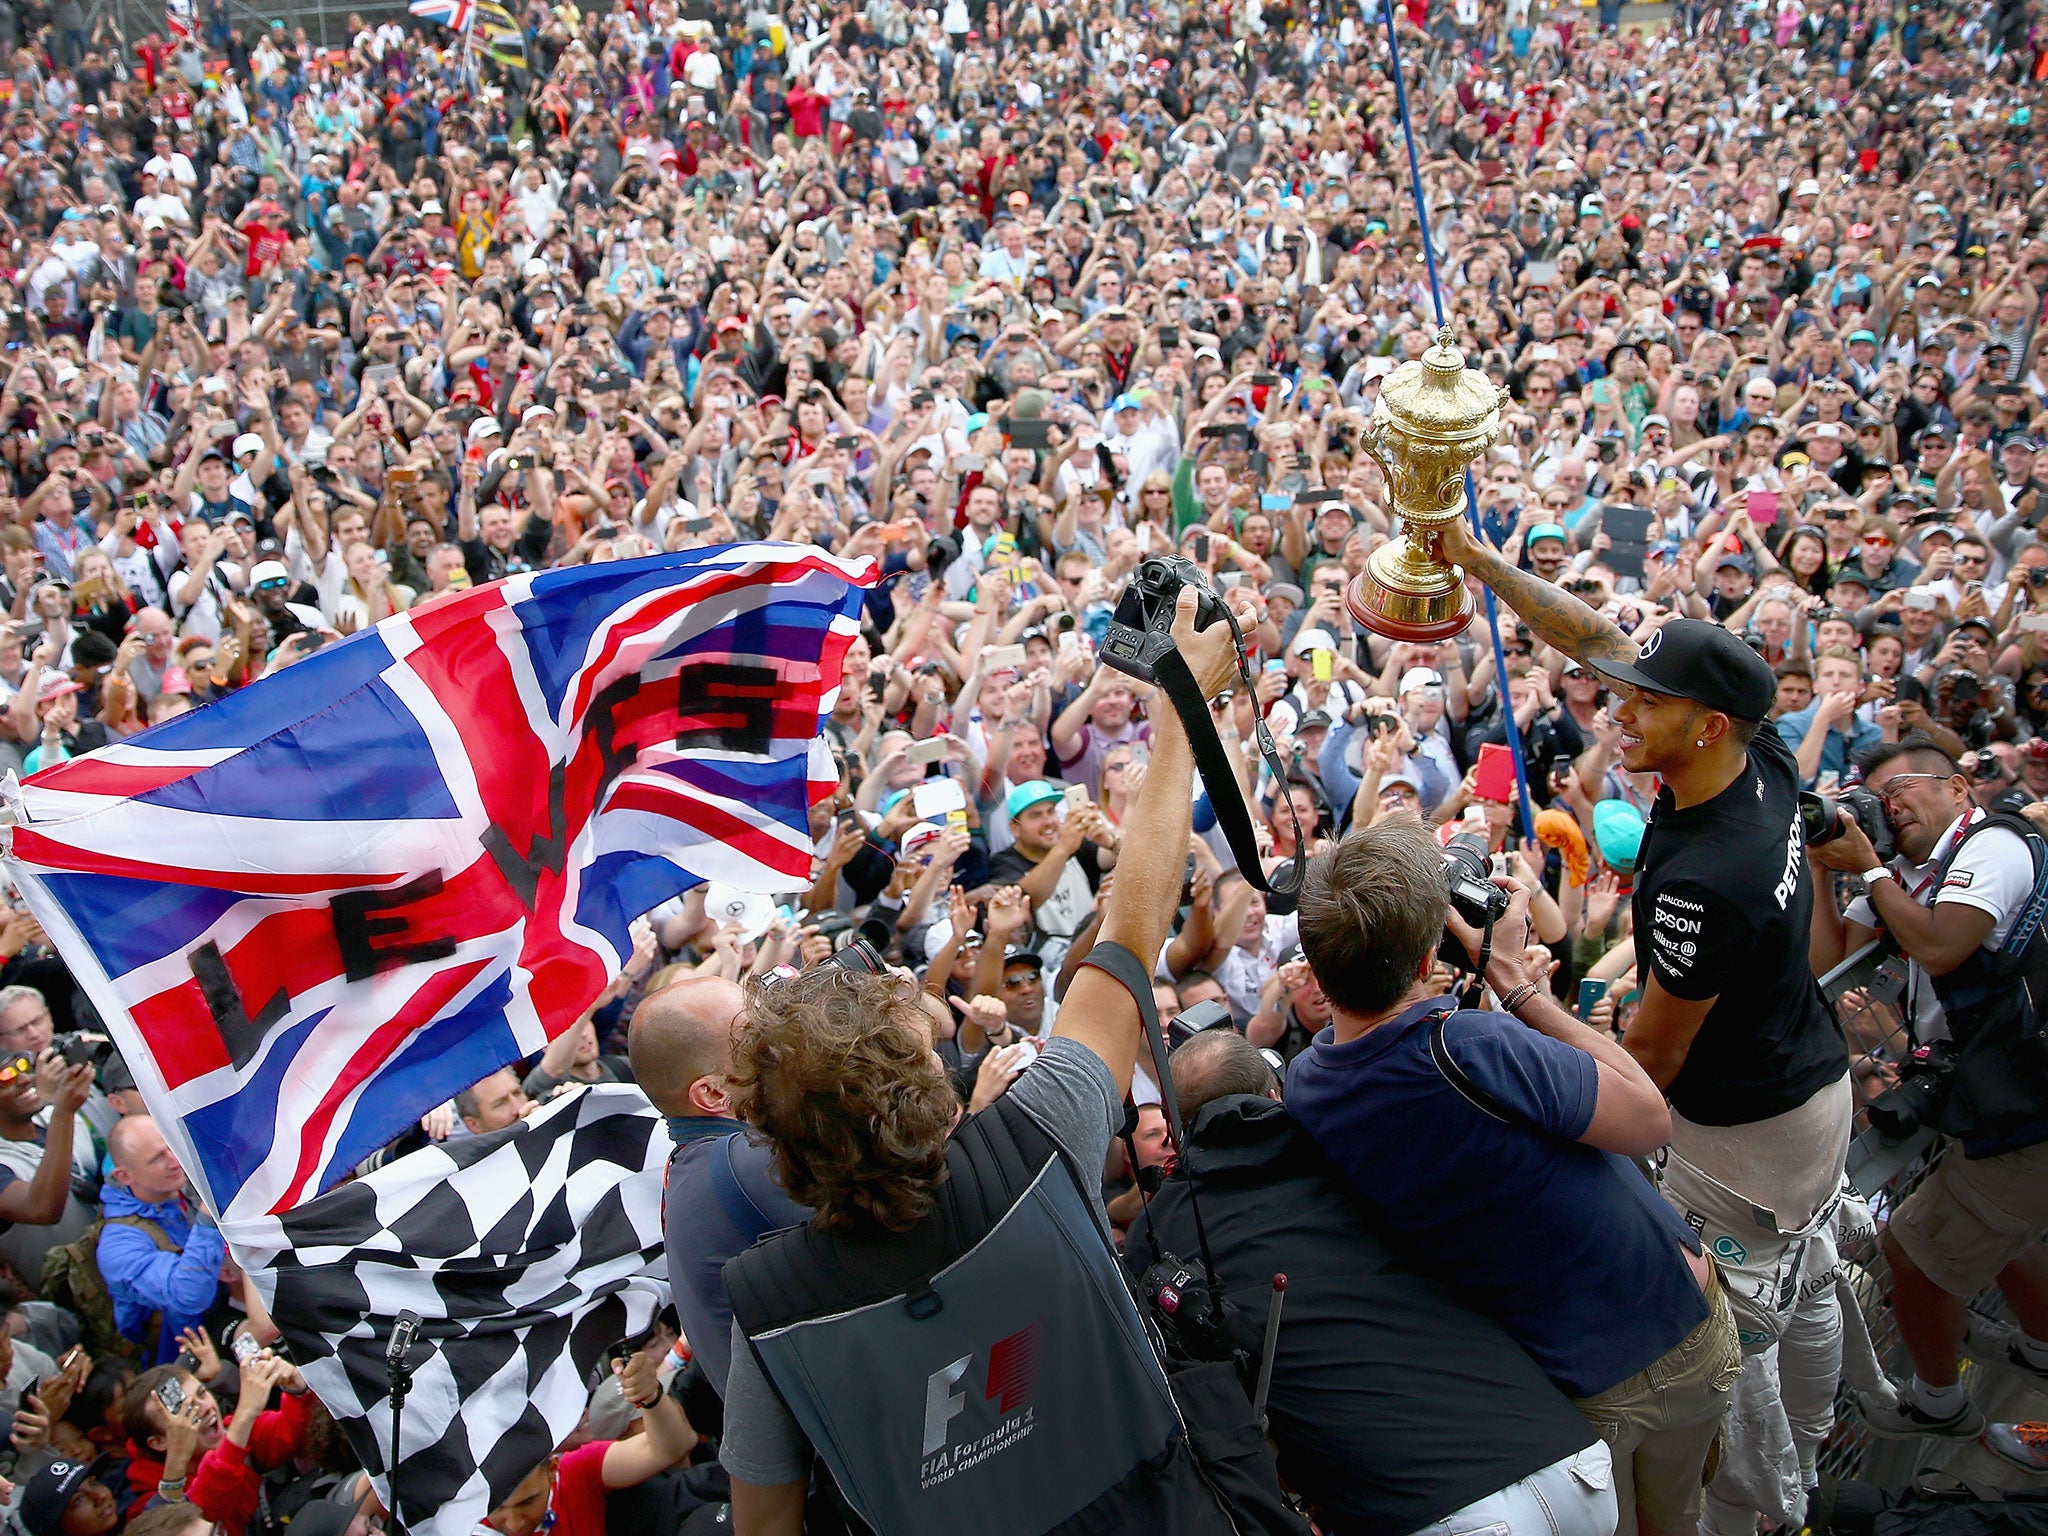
{"x":48,"y":1493}
{"x":1704,"y":662}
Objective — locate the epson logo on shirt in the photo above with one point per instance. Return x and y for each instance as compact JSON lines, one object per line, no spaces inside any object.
{"x":1673,"y":921}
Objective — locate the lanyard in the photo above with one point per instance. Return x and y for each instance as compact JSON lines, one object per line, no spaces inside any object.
{"x":1961,"y":831}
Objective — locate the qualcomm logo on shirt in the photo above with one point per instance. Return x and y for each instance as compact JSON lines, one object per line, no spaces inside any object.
{"x":1012,"y":1377}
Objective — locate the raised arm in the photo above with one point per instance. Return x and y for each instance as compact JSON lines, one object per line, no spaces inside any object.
{"x":1558,"y":619}
{"x":1097,"y":1012}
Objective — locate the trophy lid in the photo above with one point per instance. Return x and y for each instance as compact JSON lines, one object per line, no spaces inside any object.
{"x":1437,"y":396}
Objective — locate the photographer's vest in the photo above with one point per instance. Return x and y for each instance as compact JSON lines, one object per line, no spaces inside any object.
{"x":987,"y":1370}
{"x":1996,"y":1006}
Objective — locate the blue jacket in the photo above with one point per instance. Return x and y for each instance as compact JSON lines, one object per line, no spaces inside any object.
{"x":144,"y":1279}
{"x":1840,"y":748}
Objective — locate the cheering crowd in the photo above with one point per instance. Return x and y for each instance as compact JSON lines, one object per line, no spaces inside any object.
{"x":1539,"y":1104}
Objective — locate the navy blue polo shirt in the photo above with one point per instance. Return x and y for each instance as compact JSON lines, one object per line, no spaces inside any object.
{"x":720,"y":1197}
{"x":1569,"y":1248}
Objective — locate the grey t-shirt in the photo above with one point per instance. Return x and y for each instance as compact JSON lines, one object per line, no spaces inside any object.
{"x":1068,"y":1091}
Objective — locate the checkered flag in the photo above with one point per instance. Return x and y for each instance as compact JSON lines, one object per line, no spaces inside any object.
{"x":526,"y":1253}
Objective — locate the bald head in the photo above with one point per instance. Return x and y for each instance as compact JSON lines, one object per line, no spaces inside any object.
{"x":1216,"y":1064}
{"x":682,"y":1036}
{"x":128,"y":1136}
{"x":144,"y":1161}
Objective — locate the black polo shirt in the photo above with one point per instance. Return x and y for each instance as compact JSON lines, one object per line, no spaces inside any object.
{"x":1722,"y":906}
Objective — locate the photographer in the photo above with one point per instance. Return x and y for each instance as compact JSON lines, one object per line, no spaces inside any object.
{"x":1948,"y":899}
{"x":1393,"y":1403}
{"x":1476,"y":1135}
{"x":963,"y":1221}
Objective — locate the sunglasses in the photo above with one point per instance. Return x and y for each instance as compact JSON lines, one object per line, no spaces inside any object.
{"x":15,"y":1067}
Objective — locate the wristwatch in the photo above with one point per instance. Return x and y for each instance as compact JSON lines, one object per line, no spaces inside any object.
{"x":1869,"y":879}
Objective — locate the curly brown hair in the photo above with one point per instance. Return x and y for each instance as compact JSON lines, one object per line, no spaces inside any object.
{"x":835,"y":1067}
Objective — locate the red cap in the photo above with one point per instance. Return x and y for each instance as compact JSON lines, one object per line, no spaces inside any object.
{"x":732,"y":323}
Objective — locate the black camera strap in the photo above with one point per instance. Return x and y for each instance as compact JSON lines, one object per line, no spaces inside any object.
{"x":1219,"y":775}
{"x":1129,"y":972}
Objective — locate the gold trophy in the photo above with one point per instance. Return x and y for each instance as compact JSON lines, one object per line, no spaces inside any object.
{"x":1434,"y":417}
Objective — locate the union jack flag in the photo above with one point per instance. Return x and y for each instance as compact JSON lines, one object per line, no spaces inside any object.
{"x":316,"y":909}
{"x":454,"y":14}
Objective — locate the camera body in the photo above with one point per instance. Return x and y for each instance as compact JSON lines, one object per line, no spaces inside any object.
{"x":1924,"y":1079}
{"x":1474,"y":896}
{"x":84,"y":1050}
{"x":1191,"y":1021}
{"x":1961,"y":693}
{"x":1141,"y":630}
{"x":1823,"y":817}
{"x":1193,"y":1322}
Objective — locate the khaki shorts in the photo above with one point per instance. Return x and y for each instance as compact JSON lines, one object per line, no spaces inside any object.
{"x":1974,"y":1216}
{"x":1661,"y":1423}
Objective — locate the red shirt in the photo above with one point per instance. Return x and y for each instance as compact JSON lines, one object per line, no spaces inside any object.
{"x":806,"y":113}
{"x":579,"y":1497}
{"x":225,"y":1482}
{"x":152,"y":56}
{"x":265,"y":244}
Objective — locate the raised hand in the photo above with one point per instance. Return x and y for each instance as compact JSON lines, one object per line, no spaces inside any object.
{"x":31,"y":1424}
{"x":998,"y":1069}
{"x":196,"y":1344}
{"x":1009,"y":913}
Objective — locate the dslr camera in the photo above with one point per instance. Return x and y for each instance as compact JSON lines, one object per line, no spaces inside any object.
{"x":1141,"y":630}
{"x":1962,"y":692}
{"x":1474,"y":896}
{"x":1924,"y":1079}
{"x":1823,"y":818}
{"x":1194,"y":1322}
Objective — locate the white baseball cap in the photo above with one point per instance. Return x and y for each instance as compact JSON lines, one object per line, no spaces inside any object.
{"x":1421,"y":677}
{"x":483,"y":427}
{"x":751,"y":911}
{"x":248,"y":442}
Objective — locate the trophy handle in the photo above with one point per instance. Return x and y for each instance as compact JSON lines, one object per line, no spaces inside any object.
{"x":1369,"y":440}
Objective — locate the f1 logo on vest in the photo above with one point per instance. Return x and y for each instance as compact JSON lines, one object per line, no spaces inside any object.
{"x":1012,"y":1375}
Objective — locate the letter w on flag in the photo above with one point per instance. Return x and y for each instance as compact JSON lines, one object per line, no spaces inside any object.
{"x":316,"y":909}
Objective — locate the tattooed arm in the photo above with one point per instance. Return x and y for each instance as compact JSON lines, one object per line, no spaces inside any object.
{"x":1558,"y":618}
